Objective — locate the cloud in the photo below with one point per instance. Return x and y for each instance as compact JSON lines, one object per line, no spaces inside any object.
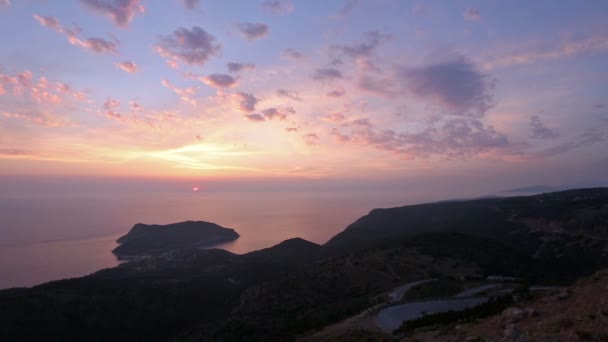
{"x":600,"y":105}
{"x":543,"y":51}
{"x":383,"y":87}
{"x":293,"y":54}
{"x":219,"y":81}
{"x":455,"y":85}
{"x":5,"y":3}
{"x":191,"y":4}
{"x":540,"y":131}
{"x":110,"y":106}
{"x":311,"y":139}
{"x":278,"y":7}
{"x":39,"y":118}
{"x":185,"y":94}
{"x":292,"y":95}
{"x":254,"y":117}
{"x":253,"y":31}
{"x":365,"y":49}
{"x":336,"y":93}
{"x":95,"y":44}
{"x":472,"y":14}
{"x":98,"y":45}
{"x":589,"y":137}
{"x":238,"y":67}
{"x":245,"y":102}
{"x":326,"y":74}
{"x":291,"y":129}
{"x":15,"y":152}
{"x":127,"y":66}
{"x":348,"y":7}
{"x":42,"y":90}
{"x":121,"y":12}
{"x":280,"y":113}
{"x":192,"y":47}
{"x":455,"y":138}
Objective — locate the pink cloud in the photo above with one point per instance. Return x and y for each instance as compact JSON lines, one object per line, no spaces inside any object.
{"x":279,"y":113}
{"x":15,"y":152}
{"x":110,"y":106}
{"x":127,"y":66}
{"x":39,"y":118}
{"x":291,"y":129}
{"x":95,"y":44}
{"x":185,"y":94}
{"x":121,"y":12}
{"x":219,"y":81}
{"x":192,"y":47}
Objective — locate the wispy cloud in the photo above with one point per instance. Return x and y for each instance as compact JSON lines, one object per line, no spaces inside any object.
{"x":542,"y":51}
{"x":326,"y":74}
{"x":95,"y":44}
{"x":538,"y":130}
{"x":127,"y":66}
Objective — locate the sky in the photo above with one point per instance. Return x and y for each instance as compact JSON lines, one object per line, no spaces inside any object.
{"x":500,"y":93}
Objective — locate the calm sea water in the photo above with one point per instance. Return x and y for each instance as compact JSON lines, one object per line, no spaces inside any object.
{"x":49,"y":237}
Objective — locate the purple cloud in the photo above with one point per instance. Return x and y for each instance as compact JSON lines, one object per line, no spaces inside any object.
{"x":327,"y":74}
{"x":383,"y":87}
{"x":121,"y":12}
{"x":539,"y":131}
{"x":110,"y":106}
{"x":280,"y":114}
{"x":292,"y":95}
{"x":192,"y":47}
{"x":336,"y":93}
{"x":245,"y":102}
{"x":589,"y":137}
{"x":238,"y":67}
{"x":455,"y":85}
{"x":364,"y":49}
{"x":254,"y":117}
{"x":253,"y":31}
{"x":293,"y":54}
{"x":219,"y":81}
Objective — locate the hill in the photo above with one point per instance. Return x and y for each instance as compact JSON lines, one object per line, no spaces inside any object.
{"x":146,"y":240}
{"x":298,"y":287}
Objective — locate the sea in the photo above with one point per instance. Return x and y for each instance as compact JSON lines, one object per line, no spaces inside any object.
{"x":45,"y":237}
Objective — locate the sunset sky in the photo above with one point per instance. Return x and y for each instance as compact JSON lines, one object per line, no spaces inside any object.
{"x":508,"y":92}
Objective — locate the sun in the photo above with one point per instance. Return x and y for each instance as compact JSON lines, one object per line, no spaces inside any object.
{"x":195,"y":188}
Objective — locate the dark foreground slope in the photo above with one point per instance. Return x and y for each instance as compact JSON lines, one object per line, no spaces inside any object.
{"x":297,"y":287}
{"x":146,"y":240}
